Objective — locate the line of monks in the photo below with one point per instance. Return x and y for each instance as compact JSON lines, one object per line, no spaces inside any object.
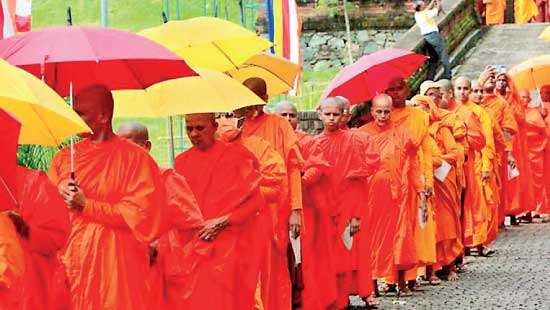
{"x":422,"y":183}
{"x":493,"y":12}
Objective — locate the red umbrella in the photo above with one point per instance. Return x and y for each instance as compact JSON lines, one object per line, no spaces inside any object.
{"x":371,"y":74}
{"x":9,"y":135}
{"x":90,"y":55}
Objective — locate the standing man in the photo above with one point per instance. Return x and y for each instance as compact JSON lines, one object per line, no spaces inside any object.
{"x":114,"y":210}
{"x":425,"y":19}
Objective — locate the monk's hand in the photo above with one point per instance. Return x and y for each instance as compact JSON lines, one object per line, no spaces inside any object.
{"x":485,"y":176}
{"x":295,"y":223}
{"x":213,"y":227}
{"x":153,"y":252}
{"x":20,"y":225}
{"x":511,"y":161}
{"x":354,"y":226}
{"x":73,"y":195}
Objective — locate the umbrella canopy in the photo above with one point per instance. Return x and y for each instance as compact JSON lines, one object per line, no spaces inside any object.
{"x":545,"y":35}
{"x":45,"y":117}
{"x":210,"y":92}
{"x":9,"y":133}
{"x":91,"y":55}
{"x":278,"y":73}
{"x":532,"y":74}
{"x":371,"y":74}
{"x":208,"y":42}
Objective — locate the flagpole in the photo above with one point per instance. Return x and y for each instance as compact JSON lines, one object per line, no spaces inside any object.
{"x":348,"y":32}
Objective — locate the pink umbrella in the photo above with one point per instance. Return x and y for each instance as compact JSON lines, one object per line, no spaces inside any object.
{"x":371,"y":74}
{"x":9,"y":136}
{"x":90,"y":55}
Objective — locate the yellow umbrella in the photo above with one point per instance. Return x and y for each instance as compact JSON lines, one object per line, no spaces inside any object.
{"x":208,"y":42}
{"x":533,"y":73}
{"x":45,"y":117}
{"x":209,"y":92}
{"x":278,"y":73}
{"x":545,"y":35}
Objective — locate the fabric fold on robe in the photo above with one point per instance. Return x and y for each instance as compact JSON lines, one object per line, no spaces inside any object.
{"x":12,"y":264}
{"x":525,"y":11}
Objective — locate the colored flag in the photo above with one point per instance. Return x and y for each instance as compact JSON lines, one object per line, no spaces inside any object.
{"x":15,"y":16}
{"x":284,"y":28}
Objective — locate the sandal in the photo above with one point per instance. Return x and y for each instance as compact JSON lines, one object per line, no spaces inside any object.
{"x":486,"y":252}
{"x":387,"y":288}
{"x":404,"y":292}
{"x":434,"y":280}
{"x":372,"y":303}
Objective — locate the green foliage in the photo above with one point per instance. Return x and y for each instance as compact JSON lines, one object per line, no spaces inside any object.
{"x":35,"y":156}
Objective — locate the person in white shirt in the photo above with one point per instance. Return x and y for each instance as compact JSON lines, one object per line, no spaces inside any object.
{"x":425,"y":19}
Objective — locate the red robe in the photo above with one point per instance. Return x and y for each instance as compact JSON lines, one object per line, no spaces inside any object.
{"x":392,"y":221}
{"x":12,"y":264}
{"x":536,"y":141}
{"x":352,"y":159}
{"x":47,"y":216}
{"x":106,"y":258}
{"x":184,"y":219}
{"x":223,"y":273}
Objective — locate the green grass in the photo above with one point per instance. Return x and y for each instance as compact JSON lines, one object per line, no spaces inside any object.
{"x":135,"y":15}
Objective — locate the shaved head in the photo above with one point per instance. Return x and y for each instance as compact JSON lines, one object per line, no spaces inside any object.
{"x":525,"y":97}
{"x":95,"y":104}
{"x":201,"y":129}
{"x":257,"y":86}
{"x":288,"y":110}
{"x":445,"y":85}
{"x":462,"y":89}
{"x":346,"y":111}
{"x":331,"y":112}
{"x":399,"y":91}
{"x":476,"y":94}
{"x":135,"y":132}
{"x":381,"y":109}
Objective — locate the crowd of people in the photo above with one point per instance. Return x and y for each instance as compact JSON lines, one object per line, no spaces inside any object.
{"x":258,"y":214}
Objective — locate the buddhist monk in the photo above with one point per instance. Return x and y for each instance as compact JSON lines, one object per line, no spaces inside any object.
{"x":545,"y":112}
{"x":12,"y":262}
{"x":182,"y":221}
{"x":525,"y":11}
{"x":484,"y":170}
{"x":416,"y":122}
{"x":536,"y":140}
{"x":288,"y":110}
{"x":393,"y":222}
{"x":43,"y":223}
{"x":494,"y":12}
{"x":519,"y":193}
{"x":447,"y":191}
{"x":276,"y":287}
{"x":352,"y":160}
{"x":346,"y":116}
{"x":225,"y":180}
{"x":504,"y":129}
{"x":474,"y":205}
{"x":114,"y":210}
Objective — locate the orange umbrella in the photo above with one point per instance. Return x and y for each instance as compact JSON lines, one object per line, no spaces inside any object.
{"x":532,"y":73}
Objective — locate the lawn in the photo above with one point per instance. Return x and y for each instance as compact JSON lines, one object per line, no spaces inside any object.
{"x":134,"y":15}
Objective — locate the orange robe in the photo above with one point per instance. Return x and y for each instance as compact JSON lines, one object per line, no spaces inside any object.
{"x":352,"y":160}
{"x":473,"y":205}
{"x":106,"y":257}
{"x":12,"y":264}
{"x":447,"y":199}
{"x":525,"y":11}
{"x":537,"y":139}
{"x":276,"y":287}
{"x":223,"y":273}
{"x":183,"y":220}
{"x":47,"y":216}
{"x":494,"y":12}
{"x":393,"y":220}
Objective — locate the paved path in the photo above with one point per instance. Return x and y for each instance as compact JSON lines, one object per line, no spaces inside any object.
{"x":517,"y":277}
{"x":504,"y":45}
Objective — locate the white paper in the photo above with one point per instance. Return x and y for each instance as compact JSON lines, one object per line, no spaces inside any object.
{"x":347,"y":238}
{"x":512,"y":172}
{"x":442,"y":172}
{"x":296,"y":249}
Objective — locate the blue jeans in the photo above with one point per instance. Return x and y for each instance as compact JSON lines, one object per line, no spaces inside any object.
{"x":436,"y":41}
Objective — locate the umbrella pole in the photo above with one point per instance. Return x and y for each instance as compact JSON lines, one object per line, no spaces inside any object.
{"x":171,"y":133}
{"x":72,"y":138}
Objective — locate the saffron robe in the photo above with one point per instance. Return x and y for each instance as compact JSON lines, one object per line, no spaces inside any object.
{"x":537,"y":140}
{"x":223,"y":273}
{"x":106,"y":256}
{"x":12,"y":264}
{"x":352,"y":160}
{"x":525,"y":11}
{"x":494,"y":12}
